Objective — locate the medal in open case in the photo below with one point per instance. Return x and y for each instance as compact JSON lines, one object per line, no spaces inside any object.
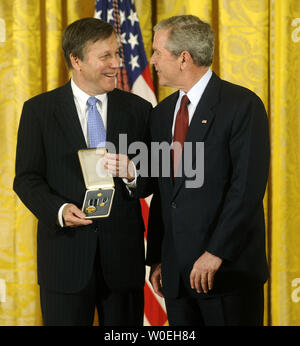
{"x":99,"y":183}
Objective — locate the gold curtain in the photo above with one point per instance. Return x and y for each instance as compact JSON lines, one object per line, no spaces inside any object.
{"x":257,"y":46}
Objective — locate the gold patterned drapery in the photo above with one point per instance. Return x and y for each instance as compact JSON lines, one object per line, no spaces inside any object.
{"x":257,"y":46}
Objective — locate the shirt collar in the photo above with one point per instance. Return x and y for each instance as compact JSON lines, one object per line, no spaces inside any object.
{"x":82,"y":96}
{"x":195,"y":93}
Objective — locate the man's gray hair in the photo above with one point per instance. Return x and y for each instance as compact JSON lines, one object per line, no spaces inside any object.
{"x":189,"y":33}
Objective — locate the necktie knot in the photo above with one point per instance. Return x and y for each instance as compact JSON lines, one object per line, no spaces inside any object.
{"x":92,"y":101}
{"x":184,"y":101}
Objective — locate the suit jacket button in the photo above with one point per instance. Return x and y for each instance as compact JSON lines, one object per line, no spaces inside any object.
{"x":174,"y":205}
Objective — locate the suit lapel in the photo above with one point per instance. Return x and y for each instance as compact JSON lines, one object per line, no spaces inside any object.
{"x":67,"y":116}
{"x":168,"y":117}
{"x":165,"y":126}
{"x":201,"y":122}
{"x":69,"y":120}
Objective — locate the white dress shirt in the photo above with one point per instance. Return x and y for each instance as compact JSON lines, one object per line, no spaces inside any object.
{"x":80,"y":99}
{"x":194,"y":95}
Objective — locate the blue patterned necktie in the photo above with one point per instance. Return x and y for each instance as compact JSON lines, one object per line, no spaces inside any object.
{"x":96,"y":129}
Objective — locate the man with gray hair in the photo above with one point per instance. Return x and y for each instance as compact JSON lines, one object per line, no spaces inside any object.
{"x":206,"y":244}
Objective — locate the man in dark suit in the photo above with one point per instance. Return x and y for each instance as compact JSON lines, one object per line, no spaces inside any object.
{"x":207,"y":254}
{"x":84,"y":263}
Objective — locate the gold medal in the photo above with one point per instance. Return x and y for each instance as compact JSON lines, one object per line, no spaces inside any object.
{"x":99,"y":194}
{"x":90,"y":209}
{"x":103,"y":202}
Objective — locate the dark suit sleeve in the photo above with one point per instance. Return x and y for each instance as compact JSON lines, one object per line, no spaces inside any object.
{"x":155,"y":231}
{"x":249,"y":151}
{"x":142,"y":161}
{"x":30,"y":182}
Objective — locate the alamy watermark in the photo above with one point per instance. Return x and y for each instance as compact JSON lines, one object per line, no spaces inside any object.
{"x":154,"y":161}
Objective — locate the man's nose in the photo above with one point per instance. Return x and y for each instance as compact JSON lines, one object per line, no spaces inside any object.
{"x":115,"y":62}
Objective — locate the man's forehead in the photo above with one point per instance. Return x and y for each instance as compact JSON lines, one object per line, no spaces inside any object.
{"x":110,"y":42}
{"x":161,"y":36}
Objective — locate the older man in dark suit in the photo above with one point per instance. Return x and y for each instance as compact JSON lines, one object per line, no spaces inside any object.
{"x":208,"y":253}
{"x":84,"y":263}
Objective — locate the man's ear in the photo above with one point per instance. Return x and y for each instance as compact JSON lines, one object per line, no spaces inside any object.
{"x":75,"y":61}
{"x":185,"y":59}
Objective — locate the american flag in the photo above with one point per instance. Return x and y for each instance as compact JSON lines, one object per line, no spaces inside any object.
{"x":134,"y":76}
